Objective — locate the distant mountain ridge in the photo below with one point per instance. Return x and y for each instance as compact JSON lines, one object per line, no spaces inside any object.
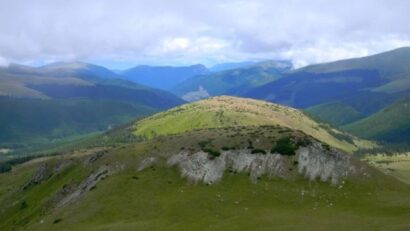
{"x":163,"y":77}
{"x":76,"y":75}
{"x":340,"y":92}
{"x":235,"y":81}
{"x":62,"y":100}
{"x":230,"y":66}
{"x":63,"y":69}
{"x":347,"y":89}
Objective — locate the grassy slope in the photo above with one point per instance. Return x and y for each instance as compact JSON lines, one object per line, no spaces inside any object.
{"x":160,"y":200}
{"x":227,"y":111}
{"x":391,"y":123}
{"x":397,"y":165}
{"x":334,"y":113}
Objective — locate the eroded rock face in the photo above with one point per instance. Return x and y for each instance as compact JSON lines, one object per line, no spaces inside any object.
{"x":61,"y":165}
{"x":313,"y":162}
{"x":39,"y":175}
{"x":94,"y":157}
{"x":86,"y":185}
{"x":146,"y":163}
{"x":198,"y":166}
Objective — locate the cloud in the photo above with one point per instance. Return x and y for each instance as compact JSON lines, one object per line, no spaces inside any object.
{"x":3,"y":62}
{"x":186,"y":31}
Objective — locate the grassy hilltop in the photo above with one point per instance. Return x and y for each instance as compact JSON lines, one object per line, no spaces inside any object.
{"x":226,"y":111}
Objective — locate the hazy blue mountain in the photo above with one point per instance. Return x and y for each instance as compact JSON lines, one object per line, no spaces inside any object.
{"x":69,"y":99}
{"x":78,"y":69}
{"x":70,"y":80}
{"x":163,"y":77}
{"x":232,"y":82}
{"x":357,"y":94}
{"x":230,"y":66}
{"x":367,"y":84}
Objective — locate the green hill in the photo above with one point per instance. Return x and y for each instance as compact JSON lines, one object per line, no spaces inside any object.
{"x":390,"y":124}
{"x":251,"y":165}
{"x":225,"y":111}
{"x":135,"y":187}
{"x":335,"y":113}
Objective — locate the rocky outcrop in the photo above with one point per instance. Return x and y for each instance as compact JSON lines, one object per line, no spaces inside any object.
{"x":61,"y":165}
{"x":73,"y":193}
{"x":191,"y":96}
{"x":41,"y":173}
{"x":146,"y":163}
{"x":313,"y":162}
{"x":199,"y":167}
{"x":94,"y":157}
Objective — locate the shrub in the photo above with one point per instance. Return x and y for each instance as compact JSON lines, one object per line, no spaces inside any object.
{"x":250,"y":144}
{"x":341,"y":136}
{"x":5,"y":167}
{"x":304,"y":142}
{"x":212,"y":153}
{"x":203,"y":143}
{"x":57,"y":221}
{"x":326,"y":146}
{"x":258,"y":151}
{"x":23,"y":205}
{"x":284,"y":146}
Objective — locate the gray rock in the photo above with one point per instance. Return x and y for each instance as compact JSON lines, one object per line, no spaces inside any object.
{"x":39,"y":175}
{"x":94,"y":157}
{"x":146,"y":163}
{"x":88,"y":184}
{"x":313,"y":162}
{"x":316,"y":162}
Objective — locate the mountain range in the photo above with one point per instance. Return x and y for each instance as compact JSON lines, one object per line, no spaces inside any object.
{"x":163,"y":77}
{"x":348,"y":94}
{"x":352,"y":89}
{"x":234,"y":81}
{"x":69,"y":99}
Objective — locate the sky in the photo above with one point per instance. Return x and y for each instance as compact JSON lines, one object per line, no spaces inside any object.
{"x":124,"y":33}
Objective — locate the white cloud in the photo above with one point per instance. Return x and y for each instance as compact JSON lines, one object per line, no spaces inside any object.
{"x":3,"y":62}
{"x":186,"y":31}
